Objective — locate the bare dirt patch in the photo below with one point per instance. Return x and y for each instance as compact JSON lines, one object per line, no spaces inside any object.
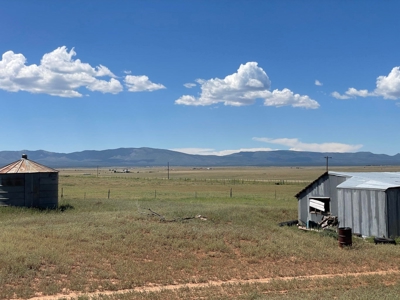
{"x":158,"y":288}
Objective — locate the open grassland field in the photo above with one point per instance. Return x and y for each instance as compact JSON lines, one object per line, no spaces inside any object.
{"x":133,"y":236}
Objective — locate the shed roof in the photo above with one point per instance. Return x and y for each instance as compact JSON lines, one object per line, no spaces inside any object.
{"x":24,"y":165}
{"x":362,"y":180}
{"x":369,"y":180}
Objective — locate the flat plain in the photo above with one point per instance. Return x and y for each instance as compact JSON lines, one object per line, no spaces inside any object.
{"x":186,"y":233}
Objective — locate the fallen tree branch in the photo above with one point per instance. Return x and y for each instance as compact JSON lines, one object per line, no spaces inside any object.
{"x":153,"y":213}
{"x":163,"y":219}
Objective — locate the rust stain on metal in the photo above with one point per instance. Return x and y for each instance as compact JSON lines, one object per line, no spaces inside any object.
{"x":24,"y":165}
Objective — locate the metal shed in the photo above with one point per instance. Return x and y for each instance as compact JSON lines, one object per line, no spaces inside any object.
{"x":368,"y":202}
{"x":27,"y":183}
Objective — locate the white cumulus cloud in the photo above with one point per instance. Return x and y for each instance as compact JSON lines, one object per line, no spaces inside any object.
{"x":286,"y":97}
{"x":297,"y":145}
{"x":58,"y":74}
{"x":249,"y":83}
{"x":387,"y":87}
{"x":189,"y":85}
{"x":317,"y":82}
{"x":141,"y":83}
{"x":352,"y":93}
{"x":339,"y":96}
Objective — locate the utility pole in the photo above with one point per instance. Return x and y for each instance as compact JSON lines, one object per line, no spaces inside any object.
{"x":168,"y":170}
{"x":327,"y":158}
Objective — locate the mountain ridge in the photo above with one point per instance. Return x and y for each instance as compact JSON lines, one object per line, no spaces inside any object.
{"x":145,"y":156}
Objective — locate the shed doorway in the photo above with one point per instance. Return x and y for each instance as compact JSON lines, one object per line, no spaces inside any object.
{"x":318,"y":208}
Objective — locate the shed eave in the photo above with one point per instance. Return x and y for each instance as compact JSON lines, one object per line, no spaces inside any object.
{"x":304,"y":189}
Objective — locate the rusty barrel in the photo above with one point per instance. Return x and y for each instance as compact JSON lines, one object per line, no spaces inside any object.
{"x":345,"y":236}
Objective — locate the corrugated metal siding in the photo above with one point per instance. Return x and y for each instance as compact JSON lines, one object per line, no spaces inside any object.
{"x":369,"y":204}
{"x":30,"y":189}
{"x":49,"y":190}
{"x":32,"y":192}
{"x":363,"y":210}
{"x":393,"y":212}
{"x":12,"y":189}
{"x":334,"y":181}
{"x":323,"y":187}
{"x":317,"y":189}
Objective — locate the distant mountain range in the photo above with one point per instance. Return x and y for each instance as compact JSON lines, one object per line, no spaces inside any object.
{"x":141,"y":157}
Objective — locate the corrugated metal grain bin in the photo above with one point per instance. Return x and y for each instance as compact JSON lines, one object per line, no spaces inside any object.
{"x":27,"y":183}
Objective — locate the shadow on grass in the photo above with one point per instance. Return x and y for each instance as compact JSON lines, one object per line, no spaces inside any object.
{"x":65,"y":207}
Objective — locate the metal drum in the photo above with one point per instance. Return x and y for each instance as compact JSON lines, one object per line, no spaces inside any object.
{"x":345,"y":236}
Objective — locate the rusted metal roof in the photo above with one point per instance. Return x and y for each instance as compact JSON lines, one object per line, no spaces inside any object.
{"x":24,"y":165}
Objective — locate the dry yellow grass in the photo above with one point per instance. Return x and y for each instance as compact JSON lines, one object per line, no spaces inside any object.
{"x":112,"y":244}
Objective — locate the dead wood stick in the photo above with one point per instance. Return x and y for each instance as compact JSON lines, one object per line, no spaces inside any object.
{"x":162,"y":218}
{"x":157,"y":214}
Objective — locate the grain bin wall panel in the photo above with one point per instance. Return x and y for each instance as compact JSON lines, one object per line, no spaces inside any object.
{"x":48,"y":187}
{"x":14,"y":195}
{"x":48,"y":194}
{"x":48,"y":203}
{"x":49,"y":190}
{"x":12,"y":189}
{"x":48,"y":178}
{"x":29,"y":189}
{"x":32,"y":189}
{"x":9,"y":180}
{"x":27,"y":183}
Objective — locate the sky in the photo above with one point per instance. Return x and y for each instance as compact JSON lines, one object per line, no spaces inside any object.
{"x":200,"y":77}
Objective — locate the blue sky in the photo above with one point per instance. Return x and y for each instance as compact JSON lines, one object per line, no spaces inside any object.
{"x":201,"y":77}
